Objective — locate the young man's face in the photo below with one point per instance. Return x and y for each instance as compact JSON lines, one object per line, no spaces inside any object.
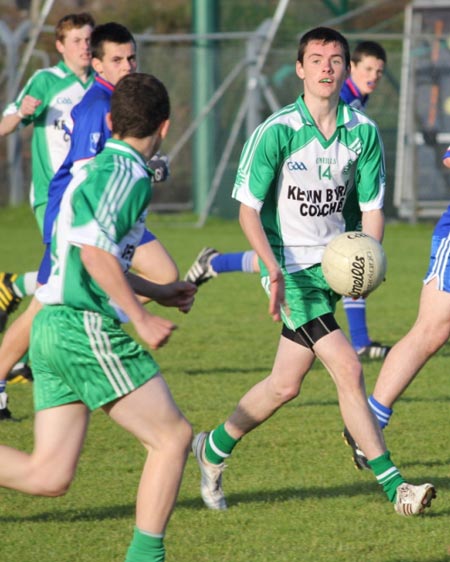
{"x":367,"y":73}
{"x":75,"y":48}
{"x":323,"y":70}
{"x":118,"y":61}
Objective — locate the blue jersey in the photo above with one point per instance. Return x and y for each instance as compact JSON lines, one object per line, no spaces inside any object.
{"x":442,"y":228}
{"x":350,"y":94}
{"x":88,"y":137}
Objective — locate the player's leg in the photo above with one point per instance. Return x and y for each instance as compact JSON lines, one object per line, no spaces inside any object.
{"x":10,"y":297}
{"x":209,"y":263}
{"x":16,"y":341}
{"x":15,"y":286}
{"x":341,"y":361}
{"x":50,"y":468}
{"x":429,"y":333}
{"x":356,"y":311}
{"x":152,"y":261}
{"x":292,"y":362}
{"x":151,"y":415}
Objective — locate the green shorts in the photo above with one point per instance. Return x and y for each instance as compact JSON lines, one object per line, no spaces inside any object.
{"x":307,"y":295}
{"x":84,"y":356}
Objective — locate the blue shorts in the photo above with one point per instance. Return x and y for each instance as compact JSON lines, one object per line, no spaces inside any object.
{"x":439,"y":266}
{"x":46,"y":263}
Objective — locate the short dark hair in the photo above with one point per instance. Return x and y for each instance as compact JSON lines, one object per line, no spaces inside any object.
{"x":368,"y":49}
{"x":139,"y":104}
{"x":72,"y":21}
{"x":326,"y":35}
{"x":109,"y":32}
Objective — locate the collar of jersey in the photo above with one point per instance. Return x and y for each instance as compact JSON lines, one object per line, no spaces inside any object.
{"x":63,"y":66}
{"x":104,"y":83}
{"x":343,"y":113}
{"x":127,"y":151}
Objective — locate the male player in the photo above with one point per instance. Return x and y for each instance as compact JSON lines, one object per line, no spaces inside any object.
{"x":367,"y":66}
{"x":46,"y":102}
{"x":340,"y":184}
{"x":97,"y":364}
{"x":429,"y":333}
{"x":113,"y":56}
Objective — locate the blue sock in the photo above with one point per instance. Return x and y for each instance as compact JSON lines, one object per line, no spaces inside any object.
{"x":226,"y":263}
{"x":2,"y":386}
{"x":382,"y":413}
{"x":356,"y":318}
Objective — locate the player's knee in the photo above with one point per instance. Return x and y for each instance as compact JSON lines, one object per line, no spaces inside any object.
{"x":178,"y":439}
{"x":170,"y":274}
{"x":52,"y":485}
{"x":187,"y":436}
{"x":431,"y":337}
{"x":285,"y":392}
{"x":350,"y":378}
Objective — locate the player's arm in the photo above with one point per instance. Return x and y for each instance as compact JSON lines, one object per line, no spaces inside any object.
{"x":179,"y":294}
{"x":373,"y":223}
{"x":251,"y":225}
{"x":106,"y":271}
{"x":446,"y":158}
{"x":11,"y":120}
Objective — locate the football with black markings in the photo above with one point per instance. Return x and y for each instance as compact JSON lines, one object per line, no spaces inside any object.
{"x":354,"y":264}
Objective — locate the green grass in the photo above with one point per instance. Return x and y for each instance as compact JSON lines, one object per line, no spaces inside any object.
{"x":293,"y":493}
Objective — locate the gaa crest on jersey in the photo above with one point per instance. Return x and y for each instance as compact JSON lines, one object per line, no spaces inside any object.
{"x":94,"y":141}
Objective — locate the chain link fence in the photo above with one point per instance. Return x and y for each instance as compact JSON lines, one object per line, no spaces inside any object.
{"x":172,"y":59}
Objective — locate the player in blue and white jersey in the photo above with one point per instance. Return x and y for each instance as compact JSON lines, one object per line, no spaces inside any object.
{"x":430,"y":331}
{"x":367,"y":66}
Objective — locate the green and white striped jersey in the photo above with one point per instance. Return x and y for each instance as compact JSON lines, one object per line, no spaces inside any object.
{"x":59,"y":90}
{"x":105,"y":205}
{"x":309,"y":189}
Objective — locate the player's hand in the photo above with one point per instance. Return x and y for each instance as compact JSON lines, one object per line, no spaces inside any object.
{"x":159,"y":163}
{"x":154,"y":330}
{"x":277,"y":299}
{"x":29,"y":105}
{"x":179,"y":294}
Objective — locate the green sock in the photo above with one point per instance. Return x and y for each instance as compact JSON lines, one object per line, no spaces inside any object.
{"x":146,"y":547}
{"x":219,"y":445}
{"x":387,"y":474}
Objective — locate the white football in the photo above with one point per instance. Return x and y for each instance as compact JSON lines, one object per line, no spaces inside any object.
{"x":354,"y":264}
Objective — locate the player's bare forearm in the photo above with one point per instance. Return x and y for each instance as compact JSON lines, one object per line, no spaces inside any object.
{"x":10,"y":122}
{"x":179,"y":294}
{"x":251,"y":225}
{"x":373,"y":224}
{"x":106,"y":271}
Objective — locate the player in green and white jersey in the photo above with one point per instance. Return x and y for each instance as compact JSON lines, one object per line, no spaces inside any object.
{"x":310,"y":171}
{"x":46,"y":102}
{"x":97,"y":364}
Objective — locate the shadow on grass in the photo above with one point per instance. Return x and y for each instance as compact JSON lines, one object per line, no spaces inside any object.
{"x":443,"y":559}
{"x":302,"y":494}
{"x":227,"y":371}
{"x":432,"y":399}
{"x":429,"y":463}
{"x":273,"y":496}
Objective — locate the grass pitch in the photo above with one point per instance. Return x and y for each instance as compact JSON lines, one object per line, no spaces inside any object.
{"x":292,"y":491}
